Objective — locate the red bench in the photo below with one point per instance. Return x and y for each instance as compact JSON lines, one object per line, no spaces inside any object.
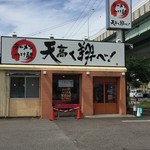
{"x":67,"y":108}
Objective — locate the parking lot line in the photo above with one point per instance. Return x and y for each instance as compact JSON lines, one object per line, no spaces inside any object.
{"x":132,"y":121}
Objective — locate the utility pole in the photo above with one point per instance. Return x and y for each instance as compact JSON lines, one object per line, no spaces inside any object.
{"x":89,"y":24}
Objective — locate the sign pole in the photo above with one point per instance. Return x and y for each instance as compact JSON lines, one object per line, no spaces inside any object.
{"x":120,"y":36}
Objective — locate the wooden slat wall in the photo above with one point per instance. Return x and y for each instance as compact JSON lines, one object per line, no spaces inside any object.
{"x":3,"y":94}
{"x":24,"y":108}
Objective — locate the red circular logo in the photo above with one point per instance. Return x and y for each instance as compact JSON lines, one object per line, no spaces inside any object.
{"x":23,"y":51}
{"x":120,"y":9}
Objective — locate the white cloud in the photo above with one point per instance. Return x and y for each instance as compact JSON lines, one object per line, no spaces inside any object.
{"x":75,"y":5}
{"x":29,"y":18}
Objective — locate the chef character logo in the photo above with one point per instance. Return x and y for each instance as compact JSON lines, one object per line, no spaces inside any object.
{"x":120,"y":9}
{"x":23,"y":51}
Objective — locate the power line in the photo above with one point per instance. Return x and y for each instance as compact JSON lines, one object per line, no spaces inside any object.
{"x":80,"y":23}
{"x":50,"y":28}
{"x":81,"y":26}
{"x":68,"y":22}
{"x":89,"y":15}
{"x":77,"y":18}
{"x":83,"y":33}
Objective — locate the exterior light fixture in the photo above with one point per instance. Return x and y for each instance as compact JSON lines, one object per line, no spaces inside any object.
{"x":51,"y":37}
{"x":44,"y":72}
{"x":123,"y":73}
{"x":87,"y":73}
{"x":14,"y":34}
{"x":85,"y":38}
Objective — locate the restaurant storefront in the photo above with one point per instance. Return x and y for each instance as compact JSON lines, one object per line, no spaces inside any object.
{"x":39,"y":73}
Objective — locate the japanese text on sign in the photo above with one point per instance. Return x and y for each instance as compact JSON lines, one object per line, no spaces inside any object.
{"x":118,"y":14}
{"x":61,"y":52}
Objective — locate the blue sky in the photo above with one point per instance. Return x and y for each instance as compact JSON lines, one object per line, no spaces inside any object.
{"x":60,"y":18}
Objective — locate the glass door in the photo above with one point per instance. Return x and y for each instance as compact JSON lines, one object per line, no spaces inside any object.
{"x":110,"y":93}
{"x":65,"y":89}
{"x":105,"y":96}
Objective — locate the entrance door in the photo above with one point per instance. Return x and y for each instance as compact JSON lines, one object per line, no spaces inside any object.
{"x":65,"y":89}
{"x":105,"y":96}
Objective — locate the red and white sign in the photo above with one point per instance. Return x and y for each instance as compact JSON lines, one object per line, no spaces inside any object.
{"x":118,"y":15}
{"x":61,"y":52}
{"x":23,"y":51}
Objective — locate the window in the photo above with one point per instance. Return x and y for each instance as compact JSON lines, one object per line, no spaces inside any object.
{"x":104,"y":93}
{"x":98,"y":93}
{"x":110,"y":93}
{"x":24,"y":87}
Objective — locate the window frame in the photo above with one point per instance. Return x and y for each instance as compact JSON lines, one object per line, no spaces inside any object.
{"x":104,"y":84}
{"x":25,"y":86}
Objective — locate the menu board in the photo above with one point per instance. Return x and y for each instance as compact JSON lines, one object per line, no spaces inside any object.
{"x":65,"y":83}
{"x":66,"y":94}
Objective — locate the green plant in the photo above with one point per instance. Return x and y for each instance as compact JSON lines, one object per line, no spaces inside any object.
{"x":138,"y":71}
{"x":145,"y":104}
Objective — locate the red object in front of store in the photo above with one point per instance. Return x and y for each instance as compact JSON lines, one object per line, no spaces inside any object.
{"x":78,"y":113}
{"x":66,"y":108}
{"x":52,"y":118}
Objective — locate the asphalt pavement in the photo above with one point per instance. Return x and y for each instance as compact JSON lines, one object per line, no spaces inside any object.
{"x":68,"y":133}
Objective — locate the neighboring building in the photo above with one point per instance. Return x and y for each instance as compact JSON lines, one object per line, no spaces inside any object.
{"x":38,"y":73}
